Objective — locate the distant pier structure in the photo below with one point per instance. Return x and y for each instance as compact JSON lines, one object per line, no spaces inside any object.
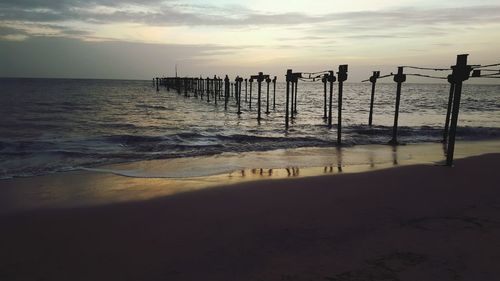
{"x":222,"y":91}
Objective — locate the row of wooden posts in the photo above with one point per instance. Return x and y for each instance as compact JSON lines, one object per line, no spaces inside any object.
{"x":222,"y":89}
{"x":461,"y":72}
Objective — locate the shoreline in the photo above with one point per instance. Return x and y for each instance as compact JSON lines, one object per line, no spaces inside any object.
{"x":145,"y":180}
{"x":418,"y":222}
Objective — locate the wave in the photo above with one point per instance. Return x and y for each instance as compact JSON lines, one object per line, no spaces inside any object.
{"x":155,"y":107}
{"x":25,"y":158}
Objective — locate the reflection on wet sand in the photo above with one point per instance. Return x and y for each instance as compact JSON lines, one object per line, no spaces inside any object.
{"x":394,"y":155}
{"x":339,"y":159}
{"x":105,"y":186}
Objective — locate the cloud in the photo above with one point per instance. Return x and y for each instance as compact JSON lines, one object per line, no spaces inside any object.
{"x":63,"y":57}
{"x":36,"y":15}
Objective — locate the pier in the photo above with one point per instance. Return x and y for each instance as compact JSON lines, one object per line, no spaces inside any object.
{"x":217,"y":91}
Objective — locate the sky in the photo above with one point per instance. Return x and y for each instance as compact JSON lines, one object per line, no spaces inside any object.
{"x":139,"y":39}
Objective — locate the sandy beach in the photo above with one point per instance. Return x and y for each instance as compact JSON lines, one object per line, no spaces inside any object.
{"x":419,"y":222}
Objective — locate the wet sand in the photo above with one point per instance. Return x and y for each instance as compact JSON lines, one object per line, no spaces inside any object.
{"x":158,"y":178}
{"x":419,"y":222}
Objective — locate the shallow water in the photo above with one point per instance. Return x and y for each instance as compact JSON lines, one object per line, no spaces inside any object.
{"x":165,"y":177}
{"x":49,"y":125}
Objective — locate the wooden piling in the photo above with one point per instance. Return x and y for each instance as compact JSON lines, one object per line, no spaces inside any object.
{"x":259,"y":86}
{"x":288,"y":78}
{"x":215,"y":89}
{"x":246,"y":88}
{"x":268,"y":81}
{"x":226,"y":92}
{"x":274,"y":93}
{"x":238,"y":93}
{"x":461,"y":72}
{"x":208,"y":89}
{"x":399,"y":79}
{"x":342,"y":76}
{"x":331,"y":79}
{"x":448,"y":108}
{"x":324,"y":80}
{"x":250,"y":96}
{"x":292,"y":97}
{"x":373,"y":80}
{"x":296,"y":96}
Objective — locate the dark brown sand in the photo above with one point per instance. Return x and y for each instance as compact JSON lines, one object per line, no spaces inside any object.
{"x":409,"y":223}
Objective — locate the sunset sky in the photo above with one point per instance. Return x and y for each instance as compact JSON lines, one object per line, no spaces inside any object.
{"x":141,"y":39}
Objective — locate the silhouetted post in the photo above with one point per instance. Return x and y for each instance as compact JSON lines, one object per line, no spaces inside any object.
{"x":268,"y":80}
{"x":208,"y":89}
{"x":274,"y":92}
{"x":461,"y":72}
{"x":292,"y":97}
{"x":246,"y":92}
{"x":250,"y":103}
{"x":215,"y":83}
{"x":219,"y":88}
{"x":157,"y":87}
{"x":399,"y":79}
{"x":288,"y":78}
{"x":342,"y":76}
{"x":331,"y":79}
{"x":238,"y":95}
{"x":373,"y":80}
{"x":296,"y":96}
{"x":226,"y":91}
{"x":240,"y":88}
{"x":260,"y":78}
{"x":324,"y":80}
{"x":448,"y":109}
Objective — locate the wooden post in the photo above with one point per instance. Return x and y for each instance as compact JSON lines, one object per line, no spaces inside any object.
{"x":246,"y":88}
{"x":259,"y":85}
{"x":292,"y":97}
{"x":237,"y":93}
{"x":226,"y":91}
{"x":342,"y":76}
{"x":268,"y":80}
{"x":399,"y":79}
{"x":250,"y":103}
{"x":157,"y":86}
{"x":461,"y":72}
{"x":331,"y":79}
{"x":274,"y":93}
{"x":215,"y":87}
{"x":324,"y":80}
{"x":288,"y":78}
{"x":296,"y":86}
{"x":208,"y":89}
{"x":373,"y":80}
{"x":448,"y":109}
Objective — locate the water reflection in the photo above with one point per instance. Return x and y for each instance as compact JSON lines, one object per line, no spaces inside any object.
{"x":395,"y":155}
{"x":339,"y":159}
{"x":101,"y":187}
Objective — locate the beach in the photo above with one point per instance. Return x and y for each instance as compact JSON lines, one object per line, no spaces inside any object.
{"x":249,"y":141}
{"x":415,"y":222}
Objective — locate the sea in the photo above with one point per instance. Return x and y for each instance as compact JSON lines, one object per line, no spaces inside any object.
{"x":53,"y":125}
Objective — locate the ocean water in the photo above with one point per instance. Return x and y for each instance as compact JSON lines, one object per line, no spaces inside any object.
{"x":50,"y":125}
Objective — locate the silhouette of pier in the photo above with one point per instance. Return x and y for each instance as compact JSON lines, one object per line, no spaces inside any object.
{"x":216,"y":91}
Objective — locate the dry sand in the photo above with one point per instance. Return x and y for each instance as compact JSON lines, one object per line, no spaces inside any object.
{"x":419,"y":222}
